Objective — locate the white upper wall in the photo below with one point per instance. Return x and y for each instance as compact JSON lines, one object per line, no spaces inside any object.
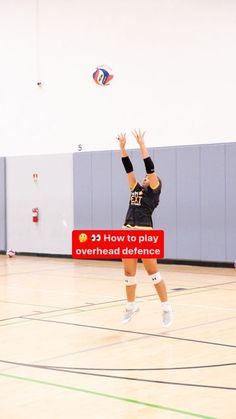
{"x":174,"y":67}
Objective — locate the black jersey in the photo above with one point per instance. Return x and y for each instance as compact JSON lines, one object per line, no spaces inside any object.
{"x":142,"y":203}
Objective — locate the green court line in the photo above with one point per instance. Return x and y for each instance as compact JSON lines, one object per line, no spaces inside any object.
{"x":110,"y":396}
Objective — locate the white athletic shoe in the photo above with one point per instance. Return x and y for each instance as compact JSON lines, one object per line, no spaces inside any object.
{"x":129,"y":313}
{"x":167,"y":317}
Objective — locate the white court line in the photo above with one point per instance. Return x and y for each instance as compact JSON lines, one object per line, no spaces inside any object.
{"x":206,"y":306}
{"x":48,"y":291}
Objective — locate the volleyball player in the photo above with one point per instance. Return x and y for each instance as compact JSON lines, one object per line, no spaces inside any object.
{"x":143,"y":200}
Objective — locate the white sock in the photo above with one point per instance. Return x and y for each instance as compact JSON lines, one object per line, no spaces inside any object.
{"x":166,"y":306}
{"x":130,"y":304}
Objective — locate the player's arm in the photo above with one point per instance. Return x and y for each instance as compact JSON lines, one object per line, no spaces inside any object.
{"x":149,"y":165}
{"x":126,"y":162}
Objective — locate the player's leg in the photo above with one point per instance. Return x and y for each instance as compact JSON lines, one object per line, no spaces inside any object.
{"x":152,"y":270}
{"x":130,"y":267}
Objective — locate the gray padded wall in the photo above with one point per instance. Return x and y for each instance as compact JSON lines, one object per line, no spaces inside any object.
{"x":101,"y":190}
{"x":213,"y":215}
{"x":230,"y":160}
{"x":92,"y":190}
{"x":82,"y":171}
{"x":2,"y":203}
{"x":197,"y":206}
{"x":188,"y":202}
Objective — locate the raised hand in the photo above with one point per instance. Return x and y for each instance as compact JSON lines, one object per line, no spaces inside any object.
{"x":122,"y":139}
{"x":139,"y":137}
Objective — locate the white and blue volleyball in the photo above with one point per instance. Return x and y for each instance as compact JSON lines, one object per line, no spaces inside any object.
{"x":102,"y":75}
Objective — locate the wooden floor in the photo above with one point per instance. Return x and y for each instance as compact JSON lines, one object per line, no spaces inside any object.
{"x":64,"y":354}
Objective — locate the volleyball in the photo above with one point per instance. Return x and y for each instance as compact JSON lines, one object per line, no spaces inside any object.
{"x":102,"y":75}
{"x":11,"y":253}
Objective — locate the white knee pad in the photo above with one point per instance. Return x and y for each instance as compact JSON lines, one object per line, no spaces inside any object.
{"x":130,"y":280}
{"x":156,"y":278}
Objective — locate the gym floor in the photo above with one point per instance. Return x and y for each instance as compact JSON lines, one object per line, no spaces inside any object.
{"x":66,"y":354}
